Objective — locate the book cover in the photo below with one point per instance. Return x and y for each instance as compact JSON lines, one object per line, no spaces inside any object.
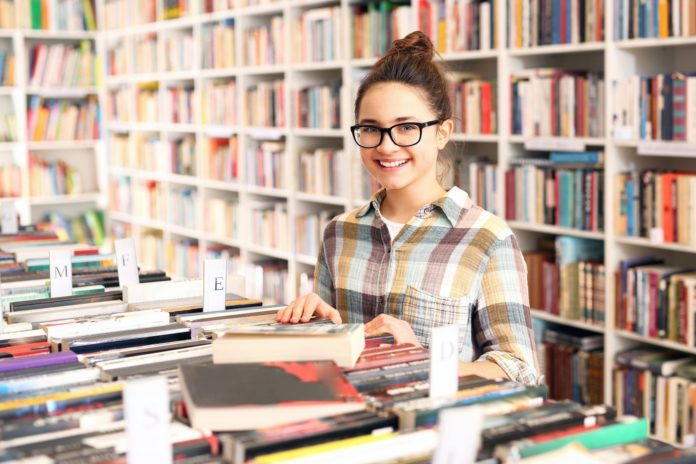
{"x":249,"y":396}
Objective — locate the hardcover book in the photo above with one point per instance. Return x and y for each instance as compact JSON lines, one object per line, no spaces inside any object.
{"x":229,"y":397}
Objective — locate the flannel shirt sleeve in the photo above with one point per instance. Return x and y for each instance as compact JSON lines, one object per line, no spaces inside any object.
{"x":323,"y":281}
{"x":502,"y":322}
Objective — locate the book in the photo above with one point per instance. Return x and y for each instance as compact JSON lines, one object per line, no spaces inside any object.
{"x":28,"y":362}
{"x":341,"y":343}
{"x":621,"y":431}
{"x":227,"y":397}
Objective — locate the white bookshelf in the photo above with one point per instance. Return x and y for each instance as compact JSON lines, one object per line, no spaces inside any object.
{"x":88,"y":157}
{"x":614,"y":59}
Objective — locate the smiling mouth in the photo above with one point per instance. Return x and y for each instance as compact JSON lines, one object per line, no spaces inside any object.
{"x":391,"y":164}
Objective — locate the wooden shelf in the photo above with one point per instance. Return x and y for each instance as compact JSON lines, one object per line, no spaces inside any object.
{"x":556,"y":230}
{"x":539,"y":314}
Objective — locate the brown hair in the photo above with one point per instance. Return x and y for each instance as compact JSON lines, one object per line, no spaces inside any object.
{"x":410,"y":61}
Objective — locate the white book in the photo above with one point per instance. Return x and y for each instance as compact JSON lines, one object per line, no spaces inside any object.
{"x":485,"y":25}
{"x":121,"y":321}
{"x":473,"y":182}
{"x":178,"y":432}
{"x":66,"y":312}
{"x":692,"y":211}
{"x":691,"y":108}
{"x":39,"y":66}
{"x":153,"y":358}
{"x":153,"y":291}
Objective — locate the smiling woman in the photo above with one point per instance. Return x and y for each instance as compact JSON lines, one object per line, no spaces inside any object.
{"x":418,"y":256}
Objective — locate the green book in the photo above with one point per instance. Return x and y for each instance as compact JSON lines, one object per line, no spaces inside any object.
{"x":625,"y":430}
{"x":35,"y":14}
{"x":86,"y":290}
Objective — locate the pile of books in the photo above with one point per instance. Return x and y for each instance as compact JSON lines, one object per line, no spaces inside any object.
{"x":244,"y":388}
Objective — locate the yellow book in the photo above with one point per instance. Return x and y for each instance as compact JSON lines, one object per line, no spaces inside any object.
{"x":41,"y":124}
{"x":10,"y":71}
{"x":62,"y":396}
{"x":442,"y":36}
{"x":322,"y":448}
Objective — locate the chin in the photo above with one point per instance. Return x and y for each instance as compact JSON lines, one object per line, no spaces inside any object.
{"x":393,"y":184}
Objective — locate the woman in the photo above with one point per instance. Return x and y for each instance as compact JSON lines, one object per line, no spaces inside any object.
{"x":418,"y":256}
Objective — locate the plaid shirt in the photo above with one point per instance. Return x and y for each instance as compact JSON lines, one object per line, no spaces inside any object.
{"x":452,"y":263}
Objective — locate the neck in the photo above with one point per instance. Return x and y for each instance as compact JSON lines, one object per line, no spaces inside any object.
{"x":400,"y":205}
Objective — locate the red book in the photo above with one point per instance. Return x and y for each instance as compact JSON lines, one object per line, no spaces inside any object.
{"x":486,"y":105}
{"x":86,"y":252}
{"x":669,"y":181}
{"x":510,"y":195}
{"x":27,"y":349}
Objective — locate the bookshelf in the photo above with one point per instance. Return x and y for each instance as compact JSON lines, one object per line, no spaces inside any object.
{"x":63,"y":158}
{"x":501,"y":57}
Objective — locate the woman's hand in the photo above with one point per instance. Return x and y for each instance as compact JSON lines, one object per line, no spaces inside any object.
{"x":400,"y":330}
{"x":303,"y":308}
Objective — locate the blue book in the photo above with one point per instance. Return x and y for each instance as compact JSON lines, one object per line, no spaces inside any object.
{"x":629,"y":207}
{"x":556,"y":22}
{"x":577,"y":157}
{"x":569,"y":21}
{"x":3,"y":57}
{"x":566,"y":201}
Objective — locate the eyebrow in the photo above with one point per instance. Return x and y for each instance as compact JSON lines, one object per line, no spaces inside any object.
{"x":397,"y":120}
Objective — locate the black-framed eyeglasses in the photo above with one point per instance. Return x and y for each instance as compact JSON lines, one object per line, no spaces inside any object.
{"x":404,"y":134}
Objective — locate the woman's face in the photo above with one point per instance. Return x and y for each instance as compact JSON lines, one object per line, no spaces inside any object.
{"x":396,"y":167}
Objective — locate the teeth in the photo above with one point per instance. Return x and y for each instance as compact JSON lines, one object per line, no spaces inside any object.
{"x":392,"y":164}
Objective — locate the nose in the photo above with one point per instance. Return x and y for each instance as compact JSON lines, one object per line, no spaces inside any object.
{"x":387,"y":145}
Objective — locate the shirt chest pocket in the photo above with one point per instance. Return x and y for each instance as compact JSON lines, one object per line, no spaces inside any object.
{"x":423,"y":311}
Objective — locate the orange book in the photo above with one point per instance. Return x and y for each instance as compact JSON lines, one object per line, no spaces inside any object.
{"x":10,"y":71}
{"x":663,"y":18}
{"x":41,"y":124}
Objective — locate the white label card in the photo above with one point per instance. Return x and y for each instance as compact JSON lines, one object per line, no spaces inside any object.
{"x":554,"y":144}
{"x":60,"y":265}
{"x":126,"y":262}
{"x":146,"y":403}
{"x":460,"y":435}
{"x":9,"y":218}
{"x":214,"y":284}
{"x":444,"y":362}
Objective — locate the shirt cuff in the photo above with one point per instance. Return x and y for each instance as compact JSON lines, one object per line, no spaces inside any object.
{"x":516,"y":369}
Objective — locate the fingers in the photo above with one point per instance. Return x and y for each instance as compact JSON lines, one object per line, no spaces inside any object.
{"x":335,"y":316}
{"x":378,"y":325}
{"x":400,"y":330}
{"x":325,"y":311}
{"x":297,"y":309}
{"x":303,"y":308}
{"x":312,"y":302}
{"x":283,"y":315}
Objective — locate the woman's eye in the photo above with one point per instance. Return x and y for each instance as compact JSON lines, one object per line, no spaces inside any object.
{"x":369,"y":130}
{"x":407,"y":127}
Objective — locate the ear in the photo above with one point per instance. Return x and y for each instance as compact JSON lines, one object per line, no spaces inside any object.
{"x":444,"y":132}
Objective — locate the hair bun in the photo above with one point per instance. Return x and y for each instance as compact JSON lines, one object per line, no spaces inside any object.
{"x":416,"y":43}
